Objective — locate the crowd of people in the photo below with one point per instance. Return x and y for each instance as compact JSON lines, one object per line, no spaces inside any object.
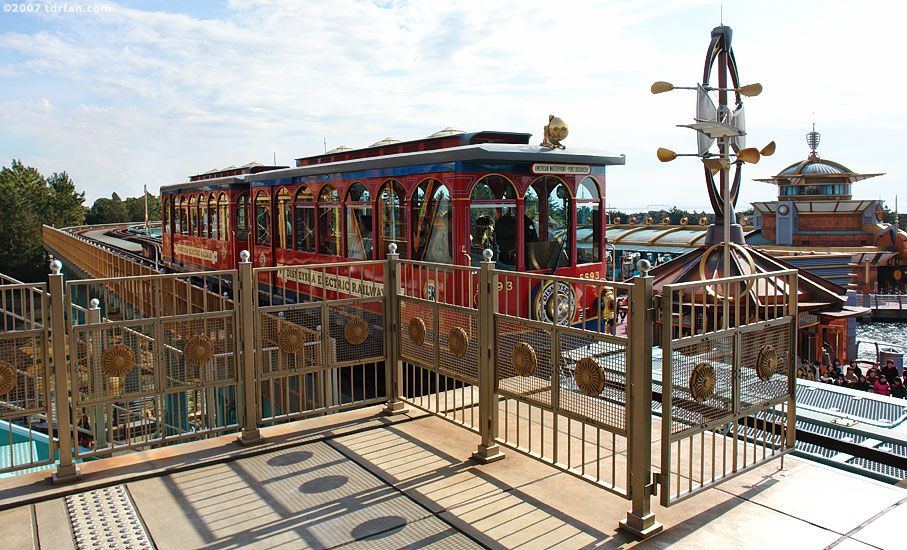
{"x":883,"y":381}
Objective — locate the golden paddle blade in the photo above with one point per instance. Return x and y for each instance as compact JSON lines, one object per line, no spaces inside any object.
{"x":768,"y":150}
{"x":661,"y":87}
{"x":750,"y":155}
{"x":665,"y":155}
{"x":750,"y":90}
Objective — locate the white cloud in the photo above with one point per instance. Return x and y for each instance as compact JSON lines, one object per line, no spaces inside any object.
{"x":151,"y":97}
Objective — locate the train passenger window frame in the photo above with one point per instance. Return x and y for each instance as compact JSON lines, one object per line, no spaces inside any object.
{"x":359,"y":218}
{"x":431,"y":218}
{"x":223,"y":209}
{"x":330,"y":221}
{"x":392,"y":218}
{"x":180,"y":228}
{"x":588,"y":202}
{"x":542,"y":249}
{"x":212,"y":216}
{"x":243,"y":211}
{"x":283,"y":219}
{"x":192,"y":206}
{"x":262,"y":215}
{"x":493,"y":203}
{"x":165,"y":215}
{"x":305,"y":222}
{"x":202,"y":216}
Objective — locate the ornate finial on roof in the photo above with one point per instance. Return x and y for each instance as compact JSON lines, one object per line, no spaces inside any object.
{"x":812,"y":139}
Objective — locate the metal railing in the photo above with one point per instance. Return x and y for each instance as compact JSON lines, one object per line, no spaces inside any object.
{"x":559,"y":369}
{"x":727,"y":378}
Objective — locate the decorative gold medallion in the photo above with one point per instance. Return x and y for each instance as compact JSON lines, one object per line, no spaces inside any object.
{"x":523,"y":359}
{"x":766,"y":363}
{"x":198,"y":350}
{"x":7,"y":377}
{"x":417,"y":331}
{"x":702,"y":382}
{"x":117,"y":360}
{"x":589,"y":376}
{"x":290,"y":339}
{"x":458,"y":342}
{"x":356,"y":331}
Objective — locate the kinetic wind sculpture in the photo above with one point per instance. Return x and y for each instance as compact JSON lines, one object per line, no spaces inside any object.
{"x":723,"y":124}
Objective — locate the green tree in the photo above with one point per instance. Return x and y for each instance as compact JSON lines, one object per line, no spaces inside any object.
{"x":27,"y":201}
{"x":104,"y":211}
{"x":135,"y":208}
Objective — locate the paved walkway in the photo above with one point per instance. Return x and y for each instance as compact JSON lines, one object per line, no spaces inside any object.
{"x":360,"y":480}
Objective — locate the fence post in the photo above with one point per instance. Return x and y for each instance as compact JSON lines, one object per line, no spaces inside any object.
{"x":99,"y":415}
{"x":793,"y":311}
{"x":246,"y":302}
{"x":393,"y":367}
{"x":488,"y":450}
{"x":66,"y":470}
{"x":640,"y":519}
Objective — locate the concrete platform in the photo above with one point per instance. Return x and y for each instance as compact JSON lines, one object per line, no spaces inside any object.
{"x":362,"y":480}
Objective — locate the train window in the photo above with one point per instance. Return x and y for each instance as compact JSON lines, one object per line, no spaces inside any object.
{"x":212,"y":217}
{"x":588,"y":222}
{"x":358,"y":222}
{"x":492,"y":221}
{"x":165,"y":216}
{"x":262,"y":219}
{"x":392,"y":212}
{"x":242,"y":212}
{"x":305,"y":220}
{"x":283,"y":221}
{"x":193,"y":216}
{"x":329,"y":226}
{"x":546,"y":225}
{"x":202,"y":216}
{"x":223,"y":207}
{"x":431,"y":215}
{"x":180,"y":217}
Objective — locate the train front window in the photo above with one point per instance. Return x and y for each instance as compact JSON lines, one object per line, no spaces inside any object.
{"x":305,"y":220}
{"x":547,"y":232}
{"x":262,"y":219}
{"x":431,"y":215}
{"x":492,"y":221}
{"x":283,"y":221}
{"x":358,"y":222}
{"x":392,"y":219}
{"x":193,"y":216}
{"x":588,"y":222}
{"x":330,"y":234}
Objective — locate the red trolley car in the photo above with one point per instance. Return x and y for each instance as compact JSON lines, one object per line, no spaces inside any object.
{"x":443,"y":200}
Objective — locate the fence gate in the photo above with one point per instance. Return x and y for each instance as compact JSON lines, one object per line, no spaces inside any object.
{"x":727,"y":380}
{"x":25,"y":377}
{"x":319,"y":338}
{"x":438,"y":339}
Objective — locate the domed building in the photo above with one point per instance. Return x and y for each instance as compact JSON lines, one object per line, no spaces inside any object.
{"x":817,"y":224}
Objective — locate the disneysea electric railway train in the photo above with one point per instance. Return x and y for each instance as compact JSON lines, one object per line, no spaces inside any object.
{"x":443,"y":199}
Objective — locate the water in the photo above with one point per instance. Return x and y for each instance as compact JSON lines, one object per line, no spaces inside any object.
{"x":883,"y":333}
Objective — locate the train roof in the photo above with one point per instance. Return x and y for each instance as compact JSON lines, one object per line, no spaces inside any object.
{"x":480,"y":152}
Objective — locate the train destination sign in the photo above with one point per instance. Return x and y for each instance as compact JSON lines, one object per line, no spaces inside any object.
{"x":196,"y":252}
{"x":353,"y":287}
{"x":574,"y":169}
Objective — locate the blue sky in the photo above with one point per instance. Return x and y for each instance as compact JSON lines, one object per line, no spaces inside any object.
{"x":125,"y":94}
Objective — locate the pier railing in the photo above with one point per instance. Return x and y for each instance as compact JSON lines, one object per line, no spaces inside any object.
{"x":559,"y":369}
